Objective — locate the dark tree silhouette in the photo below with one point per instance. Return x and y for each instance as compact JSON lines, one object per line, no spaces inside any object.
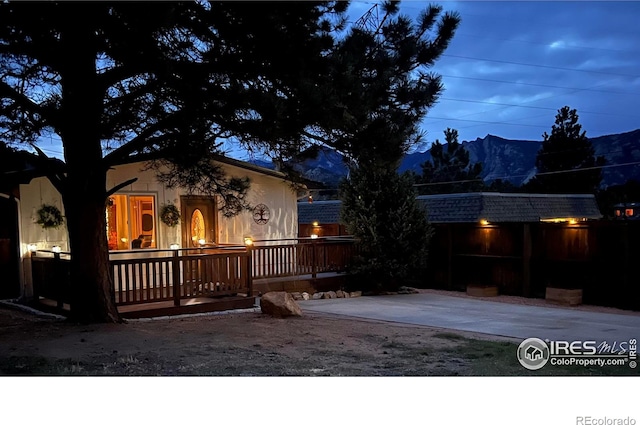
{"x":565,"y":149}
{"x":160,"y":81}
{"x":380,"y":90}
{"x":449,"y":170}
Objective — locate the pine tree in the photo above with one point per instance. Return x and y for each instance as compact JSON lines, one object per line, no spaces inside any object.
{"x":380,"y":208}
{"x":566,"y":148}
{"x":379,"y":93}
{"x":450,"y":165}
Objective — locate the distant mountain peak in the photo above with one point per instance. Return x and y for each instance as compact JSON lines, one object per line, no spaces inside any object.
{"x":512,"y":160}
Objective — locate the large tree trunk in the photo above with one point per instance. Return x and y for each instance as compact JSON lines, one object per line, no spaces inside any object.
{"x":84,"y":188}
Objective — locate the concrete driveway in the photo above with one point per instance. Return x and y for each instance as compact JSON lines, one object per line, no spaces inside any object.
{"x":488,"y":317}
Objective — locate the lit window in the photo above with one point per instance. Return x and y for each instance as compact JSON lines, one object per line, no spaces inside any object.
{"x":131,"y":222}
{"x":618,"y":213}
{"x":628,"y":212}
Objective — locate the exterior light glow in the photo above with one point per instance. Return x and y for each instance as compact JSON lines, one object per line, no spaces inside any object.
{"x":484,"y":222}
{"x":248,"y":241}
{"x":573,"y":221}
{"x":316,"y":224}
{"x":174,"y":246}
{"x":201,"y":241}
{"x":56,"y":249}
{"x":314,"y":236}
{"x":32,"y":247}
{"x":124,"y":240}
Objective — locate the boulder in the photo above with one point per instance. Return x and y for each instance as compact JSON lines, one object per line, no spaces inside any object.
{"x":305,"y":296}
{"x":279,"y":304}
{"x":355,"y":294}
{"x":329,"y":294}
{"x":318,"y":296}
{"x":339,"y":294}
{"x":296,"y":296}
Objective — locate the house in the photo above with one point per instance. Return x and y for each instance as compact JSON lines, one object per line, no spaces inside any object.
{"x":16,"y":168}
{"x":134,"y":225}
{"x":626,"y":211}
{"x":320,"y":218}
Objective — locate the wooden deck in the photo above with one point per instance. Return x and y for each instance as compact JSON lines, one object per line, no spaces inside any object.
{"x":165,"y":308}
{"x":150,"y":283}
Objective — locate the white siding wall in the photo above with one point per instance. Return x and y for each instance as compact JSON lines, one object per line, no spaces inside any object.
{"x":268,"y":190}
{"x":32,"y":196}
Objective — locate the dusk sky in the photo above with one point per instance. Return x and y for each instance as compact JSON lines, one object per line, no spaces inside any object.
{"x":512,"y":65}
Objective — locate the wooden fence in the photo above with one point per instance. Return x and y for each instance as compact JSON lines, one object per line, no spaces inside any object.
{"x":602,"y":258}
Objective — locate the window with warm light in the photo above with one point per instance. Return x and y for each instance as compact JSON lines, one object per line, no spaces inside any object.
{"x":131,"y":222}
{"x":628,"y":212}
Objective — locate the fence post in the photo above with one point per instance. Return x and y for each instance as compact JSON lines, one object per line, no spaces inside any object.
{"x":249,"y":272}
{"x":314,"y":257}
{"x":58,"y":280}
{"x":176,"y":278}
{"x":526,"y":260}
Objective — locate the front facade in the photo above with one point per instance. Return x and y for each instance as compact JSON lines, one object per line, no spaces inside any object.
{"x":134,"y":221}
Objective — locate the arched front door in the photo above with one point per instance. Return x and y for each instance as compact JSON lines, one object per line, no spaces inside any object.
{"x":199,"y":221}
{"x":9,"y":253}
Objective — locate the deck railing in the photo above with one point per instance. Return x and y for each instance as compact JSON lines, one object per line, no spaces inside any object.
{"x":178,"y":274}
{"x":154,"y":275}
{"x":302,"y":256}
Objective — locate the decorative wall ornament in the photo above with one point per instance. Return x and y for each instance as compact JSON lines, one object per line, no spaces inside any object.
{"x":261,"y":214}
{"x":49,"y":216}
{"x":170,"y":215}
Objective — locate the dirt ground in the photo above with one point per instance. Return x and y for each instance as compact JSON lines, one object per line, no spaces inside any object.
{"x":232,"y":344}
{"x":250,"y":343}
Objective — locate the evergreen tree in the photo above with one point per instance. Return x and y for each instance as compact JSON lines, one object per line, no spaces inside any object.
{"x":450,"y":163}
{"x":380,"y":208}
{"x":380,"y":90}
{"x":566,"y":148}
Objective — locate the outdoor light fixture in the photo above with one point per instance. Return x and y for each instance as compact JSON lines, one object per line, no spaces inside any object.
{"x":316,"y":224}
{"x":484,"y":222}
{"x":124,"y":240}
{"x":56,"y":249}
{"x":32,"y":247}
{"x":201,"y":241}
{"x":314,"y":236}
{"x":248,"y":241}
{"x":174,"y":246}
{"x":573,"y":221}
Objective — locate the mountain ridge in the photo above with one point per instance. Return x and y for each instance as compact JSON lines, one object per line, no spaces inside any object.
{"x":509,"y":159}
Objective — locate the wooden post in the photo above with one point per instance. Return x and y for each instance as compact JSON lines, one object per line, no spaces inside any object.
{"x":314,"y":256}
{"x":526,"y":260}
{"x":249,"y":271}
{"x":58,"y":280}
{"x":176,"y":278}
{"x":449,"y":257}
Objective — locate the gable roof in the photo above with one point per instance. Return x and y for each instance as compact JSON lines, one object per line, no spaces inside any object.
{"x":507,"y":207}
{"x":320,"y":211}
{"x":20,"y":167}
{"x":473,"y":207}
